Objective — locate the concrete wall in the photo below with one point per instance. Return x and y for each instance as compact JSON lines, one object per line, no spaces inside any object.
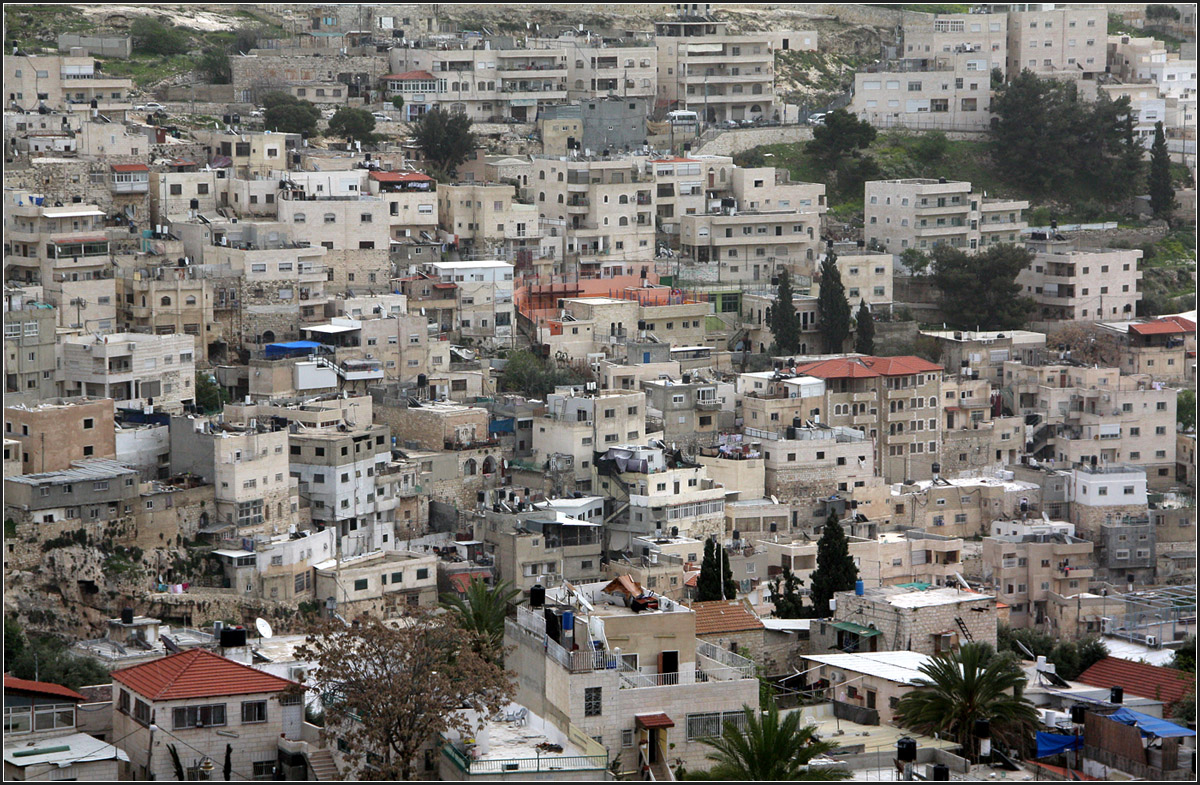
{"x":742,"y":139}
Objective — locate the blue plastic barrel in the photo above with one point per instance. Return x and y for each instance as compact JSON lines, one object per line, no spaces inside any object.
{"x":858,"y":588}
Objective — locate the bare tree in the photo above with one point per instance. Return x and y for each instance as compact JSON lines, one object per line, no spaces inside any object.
{"x":1087,"y":343}
{"x":389,"y":689}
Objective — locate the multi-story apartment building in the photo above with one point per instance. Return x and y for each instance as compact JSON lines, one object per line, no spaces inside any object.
{"x":655,"y":489}
{"x":1069,"y":41}
{"x":688,"y":408}
{"x":411,"y":199}
{"x":867,"y":278}
{"x":1095,"y":416}
{"x":250,"y":153}
{"x":65,"y":250}
{"x":485,"y":297}
{"x":602,"y":208}
{"x":811,"y":460}
{"x":336,"y":468}
{"x":982,"y":355}
{"x":486,"y":220}
{"x":897,"y":401}
{"x":943,"y":76}
{"x":964,"y":507}
{"x":29,"y":348}
{"x":578,"y":423}
{"x":682,"y":188}
{"x":78,"y":428}
{"x":1071,"y":285}
{"x":134,"y":369}
{"x":1100,"y":495}
{"x":921,"y":213}
{"x":1026,"y":569}
{"x":167,"y":299}
{"x":725,"y":77}
{"x":596,"y":68}
{"x":280,"y":567}
{"x":92,"y":491}
{"x":386,"y":584}
{"x":652,"y":681}
{"x":545,"y":546}
{"x":1164,"y":349}
{"x":484,"y":83}
{"x":765,"y":223}
{"x":65,"y":82}
{"x":248,"y":469}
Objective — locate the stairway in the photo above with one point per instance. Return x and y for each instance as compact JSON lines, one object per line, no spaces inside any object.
{"x":322,"y":766}
{"x":660,"y":771}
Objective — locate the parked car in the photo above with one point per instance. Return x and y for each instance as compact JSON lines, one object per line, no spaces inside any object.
{"x":816,"y":119}
{"x":381,"y":117}
{"x":731,"y":124}
{"x":153,"y":106}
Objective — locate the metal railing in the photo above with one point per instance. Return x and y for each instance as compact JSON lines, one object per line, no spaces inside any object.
{"x":547,"y":763}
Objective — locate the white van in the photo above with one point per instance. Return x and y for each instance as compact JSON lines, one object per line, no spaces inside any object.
{"x":683,"y":117}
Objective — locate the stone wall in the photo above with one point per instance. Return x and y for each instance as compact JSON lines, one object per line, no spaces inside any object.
{"x":371,"y":270}
{"x":742,"y":139}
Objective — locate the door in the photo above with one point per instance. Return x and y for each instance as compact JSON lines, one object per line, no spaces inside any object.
{"x":668,"y":663}
{"x":653,"y":746}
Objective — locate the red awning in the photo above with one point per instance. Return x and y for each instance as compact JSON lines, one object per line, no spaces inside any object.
{"x":654,"y":721}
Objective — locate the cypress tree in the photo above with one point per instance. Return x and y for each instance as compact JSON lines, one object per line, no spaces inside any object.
{"x":785,"y":596}
{"x":835,"y":567}
{"x":833,"y":312}
{"x":714,"y":570}
{"x":864,"y":335}
{"x":782,"y":317}
{"x":1162,"y":195}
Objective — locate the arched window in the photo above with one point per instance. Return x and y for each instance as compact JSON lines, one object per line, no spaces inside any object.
{"x":541,"y":196}
{"x":623,"y":199}
{"x":470,"y":467}
{"x":166,"y":301}
{"x":541,"y":175}
{"x":298,"y":218}
{"x":268,"y":336}
{"x":458,"y":108}
{"x":560,"y":177}
{"x":489,"y":465}
{"x":330,"y":218}
{"x":191,"y":300}
{"x":560,"y":198}
{"x":622,"y":221}
{"x":578,"y":84}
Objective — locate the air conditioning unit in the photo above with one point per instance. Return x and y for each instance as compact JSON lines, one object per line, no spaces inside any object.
{"x":1152,"y":641}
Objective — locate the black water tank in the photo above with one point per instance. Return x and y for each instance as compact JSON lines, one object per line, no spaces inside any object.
{"x":674,"y":531}
{"x":906,"y":750}
{"x":233,"y":636}
{"x":737,"y":535}
{"x":773,"y":528}
{"x":1078,"y":714}
{"x":127,"y":615}
{"x":422,"y":380}
{"x":1116,"y":695}
{"x":983,"y":729}
{"x":937,"y":468}
{"x":537,"y":596}
{"x":553,"y":625}
{"x":941,"y":772}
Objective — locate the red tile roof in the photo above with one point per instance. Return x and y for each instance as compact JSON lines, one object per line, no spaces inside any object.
{"x":1146,"y":681}
{"x":411,"y":75}
{"x":720,"y":616}
{"x":867,"y":367}
{"x":400,"y":177}
{"x":1168,"y":326}
{"x":130,"y":168}
{"x":462,"y":580}
{"x":654,"y":721}
{"x":40,"y":687}
{"x":197,"y":674}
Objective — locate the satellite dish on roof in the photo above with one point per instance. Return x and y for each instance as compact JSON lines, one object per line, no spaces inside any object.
{"x":1027,"y":652}
{"x":263,"y":627}
{"x":774,"y":500}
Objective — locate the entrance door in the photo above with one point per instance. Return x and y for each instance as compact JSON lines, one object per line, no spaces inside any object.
{"x":653,"y":746}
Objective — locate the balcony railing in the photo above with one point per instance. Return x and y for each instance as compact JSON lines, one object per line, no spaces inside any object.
{"x":546,"y":763}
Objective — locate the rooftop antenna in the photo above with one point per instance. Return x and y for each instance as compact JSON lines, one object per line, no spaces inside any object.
{"x":264,"y":628}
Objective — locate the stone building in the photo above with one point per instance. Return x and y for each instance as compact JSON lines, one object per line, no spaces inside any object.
{"x":1030,"y":568}
{"x":77,"y":428}
{"x":29,"y":348}
{"x":1074,"y":285}
{"x":65,"y":82}
{"x":383,"y":584}
{"x":133,"y":369}
{"x":921,"y":213}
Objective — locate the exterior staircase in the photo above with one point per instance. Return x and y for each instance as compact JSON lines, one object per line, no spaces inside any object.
{"x":322,"y":767}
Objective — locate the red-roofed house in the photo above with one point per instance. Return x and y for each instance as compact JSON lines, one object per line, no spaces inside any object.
{"x":199,"y":702}
{"x":1137,"y":678}
{"x":130,"y":179}
{"x":731,"y":625}
{"x":1164,"y":348}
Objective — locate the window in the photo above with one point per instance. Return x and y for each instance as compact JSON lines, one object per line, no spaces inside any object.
{"x":709,"y":724}
{"x":360,"y":584}
{"x":264,"y":770}
{"x":197,"y":716}
{"x":591,"y":702}
{"x":254,"y":711}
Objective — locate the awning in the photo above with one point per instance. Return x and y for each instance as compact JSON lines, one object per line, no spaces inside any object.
{"x":331,"y":328}
{"x":1150,"y":726}
{"x":862,"y":632}
{"x":232,"y":554}
{"x":1053,"y":743}
{"x":654,"y":721}
{"x":89,"y":239}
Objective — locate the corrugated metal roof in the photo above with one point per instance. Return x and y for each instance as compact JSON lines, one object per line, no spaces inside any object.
{"x":97,"y":469}
{"x":902,"y":667}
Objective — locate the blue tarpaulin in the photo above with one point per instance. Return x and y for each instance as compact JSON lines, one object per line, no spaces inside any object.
{"x":1150,"y":726}
{"x":502,"y":426}
{"x":294,"y":347}
{"x":1053,"y":743}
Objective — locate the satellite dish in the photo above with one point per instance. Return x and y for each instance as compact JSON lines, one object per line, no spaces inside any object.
{"x":263,"y":627}
{"x":774,"y":500}
{"x":1028,"y":653}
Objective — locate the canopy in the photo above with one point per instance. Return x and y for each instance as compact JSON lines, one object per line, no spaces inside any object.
{"x":654,"y":721}
{"x":1150,"y":726}
{"x":849,"y":626}
{"x":280,"y":349}
{"x":1053,"y":743}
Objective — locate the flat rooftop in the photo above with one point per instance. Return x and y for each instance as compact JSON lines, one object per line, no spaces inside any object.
{"x":899,"y":597}
{"x":899,"y":666}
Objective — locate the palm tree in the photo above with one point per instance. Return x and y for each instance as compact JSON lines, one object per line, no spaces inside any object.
{"x":972,"y":684}
{"x":767,"y":749}
{"x":482,"y":613}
